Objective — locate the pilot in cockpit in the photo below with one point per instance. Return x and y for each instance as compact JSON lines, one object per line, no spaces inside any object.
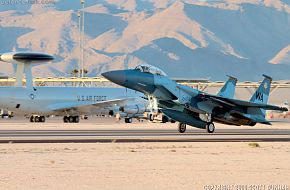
{"x":145,"y":68}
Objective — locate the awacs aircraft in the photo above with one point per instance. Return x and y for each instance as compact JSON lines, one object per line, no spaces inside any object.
{"x":70,"y":102}
{"x":193,"y":107}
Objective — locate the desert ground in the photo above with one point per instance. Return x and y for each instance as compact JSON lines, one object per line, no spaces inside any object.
{"x":147,"y":165}
{"x":143,"y":165}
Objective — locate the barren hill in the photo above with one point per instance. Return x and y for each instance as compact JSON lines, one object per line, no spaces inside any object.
{"x":186,"y":38}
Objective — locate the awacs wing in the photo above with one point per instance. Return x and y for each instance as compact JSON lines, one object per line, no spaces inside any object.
{"x":87,"y":107}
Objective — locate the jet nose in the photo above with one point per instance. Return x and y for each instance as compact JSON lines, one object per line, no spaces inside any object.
{"x":117,"y":77}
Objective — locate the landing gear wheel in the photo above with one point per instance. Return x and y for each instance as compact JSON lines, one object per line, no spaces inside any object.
{"x":71,"y":119}
{"x":252,"y":124}
{"x":42,"y":119}
{"x":210,"y":127}
{"x":36,"y":119}
{"x":128,"y":120}
{"x":164,"y":119}
{"x":31,"y":119}
{"x":151,"y":117}
{"x":65,"y":119}
{"x":181,"y":127}
{"x":76,"y":119}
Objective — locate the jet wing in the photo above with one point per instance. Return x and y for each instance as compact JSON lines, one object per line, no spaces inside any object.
{"x":88,"y":107}
{"x":165,"y":93}
{"x":187,"y":89}
{"x":233,"y":102}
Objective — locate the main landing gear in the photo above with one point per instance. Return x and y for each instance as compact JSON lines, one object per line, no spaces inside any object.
{"x":37,"y":119}
{"x":181,"y":127}
{"x":209,"y":127}
{"x":71,"y":119}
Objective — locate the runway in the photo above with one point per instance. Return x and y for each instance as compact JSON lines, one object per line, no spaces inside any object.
{"x":105,"y":153}
{"x":142,"y":135}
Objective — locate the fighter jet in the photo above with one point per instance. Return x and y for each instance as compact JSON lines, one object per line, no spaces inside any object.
{"x":192,"y":107}
{"x":69,"y":102}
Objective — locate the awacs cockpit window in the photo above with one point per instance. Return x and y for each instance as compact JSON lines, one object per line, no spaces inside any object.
{"x":150,"y":69}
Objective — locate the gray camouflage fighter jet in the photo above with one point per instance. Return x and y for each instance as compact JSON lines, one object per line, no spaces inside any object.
{"x":193,"y":107}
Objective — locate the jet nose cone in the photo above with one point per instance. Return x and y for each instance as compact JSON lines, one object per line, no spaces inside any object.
{"x":117,"y":77}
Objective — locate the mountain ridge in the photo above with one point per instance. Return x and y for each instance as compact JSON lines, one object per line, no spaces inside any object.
{"x":188,"y":38}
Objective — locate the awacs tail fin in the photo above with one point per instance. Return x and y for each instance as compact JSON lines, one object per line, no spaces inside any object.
{"x":228,"y":90}
{"x":262,"y":94}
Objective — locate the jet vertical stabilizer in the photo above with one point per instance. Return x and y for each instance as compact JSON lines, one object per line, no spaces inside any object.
{"x":261,"y":96}
{"x":262,"y":93}
{"x":228,"y":90}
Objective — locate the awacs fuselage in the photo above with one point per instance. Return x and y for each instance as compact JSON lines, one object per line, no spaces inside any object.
{"x":67,"y":100}
{"x":194,"y":107}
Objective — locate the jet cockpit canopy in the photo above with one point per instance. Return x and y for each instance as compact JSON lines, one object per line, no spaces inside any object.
{"x":145,"y":68}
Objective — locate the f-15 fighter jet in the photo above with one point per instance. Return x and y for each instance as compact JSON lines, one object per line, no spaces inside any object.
{"x":192,"y":107}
